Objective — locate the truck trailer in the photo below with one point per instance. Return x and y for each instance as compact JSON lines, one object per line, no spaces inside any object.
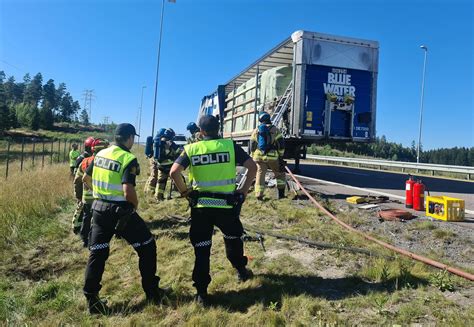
{"x":315,"y":86}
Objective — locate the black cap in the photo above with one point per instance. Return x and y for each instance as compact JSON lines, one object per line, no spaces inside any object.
{"x":209,"y":123}
{"x":125,"y":130}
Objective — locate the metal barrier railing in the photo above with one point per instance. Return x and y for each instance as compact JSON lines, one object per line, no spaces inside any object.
{"x":468,"y":171}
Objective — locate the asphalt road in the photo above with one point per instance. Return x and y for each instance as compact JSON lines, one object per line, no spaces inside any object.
{"x":393,"y":183}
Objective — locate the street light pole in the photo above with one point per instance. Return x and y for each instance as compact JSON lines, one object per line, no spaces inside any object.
{"x":140,"y":115}
{"x":158,"y":67}
{"x":424,"y":47}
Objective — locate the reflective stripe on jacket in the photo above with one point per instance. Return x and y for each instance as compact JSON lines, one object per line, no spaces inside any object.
{"x":212,"y":169}
{"x":277,"y":143}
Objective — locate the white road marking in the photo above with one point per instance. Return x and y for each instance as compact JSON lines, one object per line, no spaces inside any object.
{"x":471,"y":212}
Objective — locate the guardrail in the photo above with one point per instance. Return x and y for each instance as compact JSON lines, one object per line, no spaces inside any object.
{"x":468,"y":171}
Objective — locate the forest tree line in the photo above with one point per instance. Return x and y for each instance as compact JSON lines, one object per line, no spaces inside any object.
{"x":383,"y":149}
{"x":31,"y":104}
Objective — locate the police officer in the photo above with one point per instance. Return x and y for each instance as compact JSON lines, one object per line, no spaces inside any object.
{"x":73,"y":154}
{"x":112,"y":178}
{"x":269,"y":158}
{"x":78,"y":212}
{"x":194,"y":131}
{"x":214,"y":199}
{"x":167,"y":154}
{"x":87,"y":196}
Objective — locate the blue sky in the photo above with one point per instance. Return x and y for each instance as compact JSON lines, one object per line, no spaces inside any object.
{"x":110,"y":46}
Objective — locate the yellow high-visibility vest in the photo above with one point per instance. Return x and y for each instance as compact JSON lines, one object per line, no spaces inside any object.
{"x":212,"y":169}
{"x":109,"y":165}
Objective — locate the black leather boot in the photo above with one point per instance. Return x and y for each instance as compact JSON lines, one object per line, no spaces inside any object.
{"x":156,"y":296}
{"x":96,"y":305}
{"x":202,"y":298}
{"x":244,"y":274}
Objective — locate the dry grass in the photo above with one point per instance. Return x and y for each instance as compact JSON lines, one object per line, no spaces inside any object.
{"x":294,"y":285}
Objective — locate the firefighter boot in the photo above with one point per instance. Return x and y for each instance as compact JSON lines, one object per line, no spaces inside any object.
{"x":96,"y":305}
{"x":281,"y":194}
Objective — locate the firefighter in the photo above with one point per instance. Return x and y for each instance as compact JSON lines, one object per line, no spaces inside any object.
{"x":150,"y":184}
{"x":214,"y":199}
{"x":87,"y":151}
{"x":167,"y":151}
{"x":267,"y":147}
{"x":194,"y":131}
{"x":112,"y":177}
{"x":87,"y":197}
{"x":78,"y":213}
{"x":73,"y":155}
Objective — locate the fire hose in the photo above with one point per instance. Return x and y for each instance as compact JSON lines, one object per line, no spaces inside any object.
{"x":409,"y":254}
{"x":312,"y":243}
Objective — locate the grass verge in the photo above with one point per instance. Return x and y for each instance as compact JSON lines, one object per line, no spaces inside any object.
{"x":43,"y":267}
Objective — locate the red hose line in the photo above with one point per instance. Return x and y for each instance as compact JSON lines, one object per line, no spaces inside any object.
{"x":409,"y":254}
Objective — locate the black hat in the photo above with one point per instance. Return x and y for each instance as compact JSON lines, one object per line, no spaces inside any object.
{"x":125,"y":130}
{"x":209,"y":123}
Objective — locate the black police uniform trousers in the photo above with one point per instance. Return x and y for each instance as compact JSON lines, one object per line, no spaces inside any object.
{"x":136,"y":233}
{"x":203,"y":221}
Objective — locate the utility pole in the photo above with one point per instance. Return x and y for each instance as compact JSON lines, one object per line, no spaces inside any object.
{"x":158,"y":63}
{"x":140,"y":116}
{"x":88,"y":96}
{"x":106,"y":122}
{"x":425,"y":48}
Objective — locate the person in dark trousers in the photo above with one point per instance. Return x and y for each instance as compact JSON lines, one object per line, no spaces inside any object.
{"x":112,"y":179}
{"x":214,"y":199}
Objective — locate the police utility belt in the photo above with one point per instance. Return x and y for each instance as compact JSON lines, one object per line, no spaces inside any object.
{"x":233,"y":199}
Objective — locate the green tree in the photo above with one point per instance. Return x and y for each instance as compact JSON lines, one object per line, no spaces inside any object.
{"x":34,"y":90}
{"x":76,"y":107}
{"x":60,"y":91}
{"x":84,"y":117}
{"x":4,"y":111}
{"x":47,"y":105}
{"x":28,"y":115}
{"x":66,"y":109}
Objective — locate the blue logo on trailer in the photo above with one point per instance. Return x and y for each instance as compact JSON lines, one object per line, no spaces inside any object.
{"x":320,"y":118}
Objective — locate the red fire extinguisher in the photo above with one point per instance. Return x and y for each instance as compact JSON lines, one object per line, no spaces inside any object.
{"x":419,"y":196}
{"x":409,"y":192}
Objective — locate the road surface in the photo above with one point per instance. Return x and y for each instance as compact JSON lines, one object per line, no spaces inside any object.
{"x":387,"y":182}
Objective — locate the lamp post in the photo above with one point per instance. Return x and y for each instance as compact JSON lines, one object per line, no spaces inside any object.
{"x":140,"y":115}
{"x":158,"y":64}
{"x":425,"y":48}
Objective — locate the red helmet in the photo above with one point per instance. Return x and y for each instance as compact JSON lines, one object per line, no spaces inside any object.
{"x":99,"y":144}
{"x":89,"y":142}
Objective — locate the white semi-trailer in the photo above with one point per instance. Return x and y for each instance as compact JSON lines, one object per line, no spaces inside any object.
{"x":316,"y":87}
